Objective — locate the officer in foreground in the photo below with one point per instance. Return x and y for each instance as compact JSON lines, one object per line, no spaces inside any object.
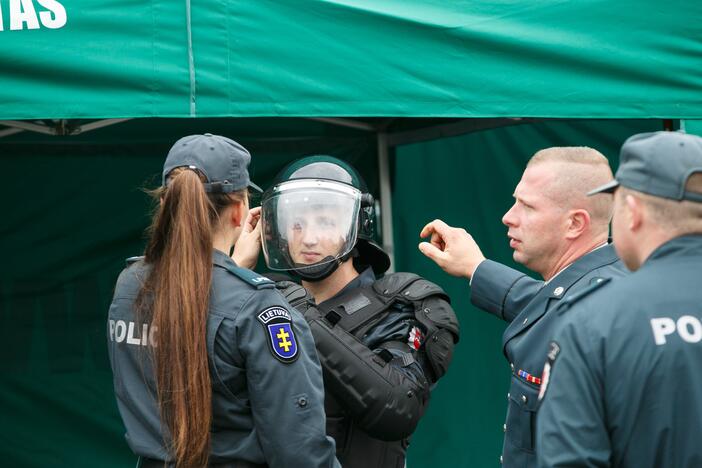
{"x":625,"y":368}
{"x":382,"y":343}
{"x":212,"y":367}
{"x":556,"y":231}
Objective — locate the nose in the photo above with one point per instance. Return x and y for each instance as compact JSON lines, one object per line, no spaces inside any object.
{"x":509,"y":219}
{"x":310,"y":237}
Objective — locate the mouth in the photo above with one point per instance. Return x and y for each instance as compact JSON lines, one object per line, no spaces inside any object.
{"x":310,"y":256}
{"x":513,"y":241}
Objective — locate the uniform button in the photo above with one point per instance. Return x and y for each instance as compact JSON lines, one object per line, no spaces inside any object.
{"x":302,"y":402}
{"x":504,"y":428}
{"x":511,"y":366}
{"x":500,"y":459}
{"x":508,"y":395}
{"x":558,"y":291}
{"x":524,"y":399}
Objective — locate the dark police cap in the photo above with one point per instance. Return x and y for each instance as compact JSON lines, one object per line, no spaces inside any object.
{"x":659,"y":164}
{"x":222,"y":161}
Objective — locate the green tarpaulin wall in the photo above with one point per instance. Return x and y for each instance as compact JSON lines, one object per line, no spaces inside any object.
{"x":76,"y":211}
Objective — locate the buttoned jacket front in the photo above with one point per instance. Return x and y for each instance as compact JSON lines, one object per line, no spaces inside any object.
{"x":526,"y":305}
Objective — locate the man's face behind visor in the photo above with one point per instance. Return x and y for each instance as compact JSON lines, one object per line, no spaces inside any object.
{"x":316,"y":233}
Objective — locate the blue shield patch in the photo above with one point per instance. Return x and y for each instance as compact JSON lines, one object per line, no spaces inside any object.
{"x":283,"y":341}
{"x":278,"y":322}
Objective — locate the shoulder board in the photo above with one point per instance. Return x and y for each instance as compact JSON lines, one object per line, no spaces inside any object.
{"x":411,"y":286}
{"x":594,"y":285}
{"x":132,"y":260}
{"x":251,"y":277}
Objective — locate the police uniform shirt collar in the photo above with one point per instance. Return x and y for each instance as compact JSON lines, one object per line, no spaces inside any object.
{"x":679,"y":246}
{"x":365,"y":278}
{"x":566,"y":278}
{"x":222,"y":259}
{"x":604,"y":244}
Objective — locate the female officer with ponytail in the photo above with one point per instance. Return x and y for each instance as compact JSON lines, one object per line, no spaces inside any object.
{"x":212,"y":367}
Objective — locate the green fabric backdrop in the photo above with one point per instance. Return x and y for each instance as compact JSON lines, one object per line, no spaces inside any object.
{"x":73,"y":210}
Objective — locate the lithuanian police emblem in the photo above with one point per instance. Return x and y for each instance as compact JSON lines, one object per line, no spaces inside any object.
{"x":278,"y":324}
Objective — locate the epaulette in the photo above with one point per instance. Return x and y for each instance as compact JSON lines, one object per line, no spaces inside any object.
{"x":133,"y":260}
{"x":250,"y":277}
{"x":594,"y":285}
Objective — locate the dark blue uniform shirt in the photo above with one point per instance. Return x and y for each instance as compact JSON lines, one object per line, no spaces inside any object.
{"x":527,"y":306}
{"x":625,"y":384}
{"x":267,"y":407}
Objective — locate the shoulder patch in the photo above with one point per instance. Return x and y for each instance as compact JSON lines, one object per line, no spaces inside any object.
{"x":251,"y":277}
{"x":277,"y":322}
{"x":595,"y":284}
{"x":553,"y":350}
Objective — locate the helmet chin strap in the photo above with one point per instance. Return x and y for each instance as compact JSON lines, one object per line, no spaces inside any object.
{"x":321,"y":270}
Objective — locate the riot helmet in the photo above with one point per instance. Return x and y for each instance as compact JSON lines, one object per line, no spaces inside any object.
{"x":318,"y":214}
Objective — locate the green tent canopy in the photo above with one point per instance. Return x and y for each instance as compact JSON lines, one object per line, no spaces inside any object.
{"x":405,"y":58}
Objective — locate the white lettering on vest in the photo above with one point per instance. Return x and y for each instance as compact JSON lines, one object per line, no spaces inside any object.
{"x":120,"y":331}
{"x":689,"y":328}
{"x":687,"y":322}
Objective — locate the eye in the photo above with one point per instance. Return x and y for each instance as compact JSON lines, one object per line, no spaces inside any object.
{"x":326,"y":223}
{"x":297,"y":225}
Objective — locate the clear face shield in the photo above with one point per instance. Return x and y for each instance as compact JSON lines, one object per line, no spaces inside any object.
{"x":308,"y":223}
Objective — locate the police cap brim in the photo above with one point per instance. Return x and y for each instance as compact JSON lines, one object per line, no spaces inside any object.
{"x":609,"y":187}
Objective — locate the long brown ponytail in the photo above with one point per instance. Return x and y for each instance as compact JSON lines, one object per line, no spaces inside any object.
{"x":176,"y":297}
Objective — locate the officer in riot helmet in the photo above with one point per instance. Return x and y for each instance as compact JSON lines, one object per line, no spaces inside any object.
{"x":382,"y":343}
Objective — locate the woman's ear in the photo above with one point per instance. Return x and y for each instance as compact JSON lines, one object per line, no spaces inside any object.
{"x":237,"y":213}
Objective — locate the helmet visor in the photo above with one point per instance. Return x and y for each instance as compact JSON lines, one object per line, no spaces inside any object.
{"x":307,"y":223}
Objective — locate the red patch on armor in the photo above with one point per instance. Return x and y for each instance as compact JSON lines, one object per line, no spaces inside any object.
{"x":415,"y":338}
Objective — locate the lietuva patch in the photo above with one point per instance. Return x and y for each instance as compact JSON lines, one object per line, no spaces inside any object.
{"x":278,"y":324}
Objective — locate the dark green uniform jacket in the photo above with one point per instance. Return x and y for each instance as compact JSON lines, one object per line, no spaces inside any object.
{"x":625,"y":383}
{"x":527,"y":305}
{"x":267,"y":398}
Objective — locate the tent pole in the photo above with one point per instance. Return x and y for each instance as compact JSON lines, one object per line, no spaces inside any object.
{"x":386,"y":198}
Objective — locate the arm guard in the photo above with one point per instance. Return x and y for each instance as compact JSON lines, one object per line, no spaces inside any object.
{"x":386,"y":402}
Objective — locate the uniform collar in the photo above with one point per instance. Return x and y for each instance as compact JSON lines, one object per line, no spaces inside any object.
{"x":604,"y":244}
{"x":690,"y":244}
{"x":366,"y":278}
{"x":221,"y":259}
{"x":560,"y":284}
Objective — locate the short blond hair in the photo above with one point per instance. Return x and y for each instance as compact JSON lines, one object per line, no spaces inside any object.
{"x":580,"y":169}
{"x":680,"y":217}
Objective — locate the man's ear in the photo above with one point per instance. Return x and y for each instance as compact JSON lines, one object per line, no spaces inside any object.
{"x":636,"y":210}
{"x":578,"y":222}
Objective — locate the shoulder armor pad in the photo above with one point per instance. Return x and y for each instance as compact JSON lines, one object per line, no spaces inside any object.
{"x":393,"y":283}
{"x":251,"y":277}
{"x":133,"y":260}
{"x":595,"y":284}
{"x":411,"y":286}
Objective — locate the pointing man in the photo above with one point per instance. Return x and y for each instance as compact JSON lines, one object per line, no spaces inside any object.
{"x":625,"y":364}
{"x":555,"y":231}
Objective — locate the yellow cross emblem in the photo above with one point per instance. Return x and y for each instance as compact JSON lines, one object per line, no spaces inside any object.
{"x":283,"y":343}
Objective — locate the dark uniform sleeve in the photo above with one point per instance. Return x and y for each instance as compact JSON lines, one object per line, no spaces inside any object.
{"x":286,"y":391}
{"x":501,"y":290}
{"x":571,"y":429}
